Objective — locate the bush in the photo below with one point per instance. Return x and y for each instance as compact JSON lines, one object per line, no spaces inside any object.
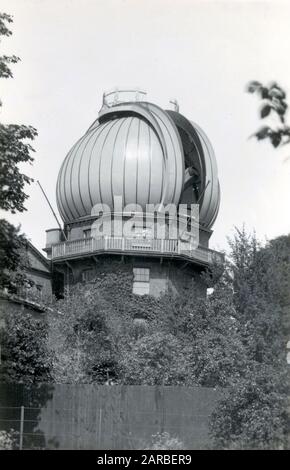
{"x":7,"y":440}
{"x":25,"y":354}
{"x":164,"y":441}
{"x":155,"y":359}
{"x":253,"y":413}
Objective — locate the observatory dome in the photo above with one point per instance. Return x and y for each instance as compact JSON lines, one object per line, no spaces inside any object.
{"x":142,"y":153}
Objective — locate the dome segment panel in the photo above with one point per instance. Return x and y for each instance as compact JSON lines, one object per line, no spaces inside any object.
{"x":113,"y":148}
{"x":65,"y":199}
{"x":70,"y":181}
{"x":94,"y":168}
{"x":59,"y":200}
{"x":60,"y":193}
{"x":157,"y":165}
{"x":144,"y":165}
{"x":174,"y":159}
{"x":211,"y":197}
{"x":131,"y":166}
{"x":84,"y":173}
{"x":169,"y":189}
{"x":79,"y":188}
{"x":118,"y":160}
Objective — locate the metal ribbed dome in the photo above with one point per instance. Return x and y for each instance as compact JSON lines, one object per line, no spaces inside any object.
{"x":124,"y":156}
{"x":137,"y":151}
{"x":121,"y":157}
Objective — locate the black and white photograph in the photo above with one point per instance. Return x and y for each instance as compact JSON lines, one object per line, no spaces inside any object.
{"x":144,"y":228}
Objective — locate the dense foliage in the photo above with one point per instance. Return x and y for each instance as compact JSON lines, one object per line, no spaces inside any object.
{"x":24,"y":349}
{"x":102,"y":332}
{"x":14,"y":150}
{"x":12,"y":258}
{"x":254,"y":412}
{"x":234,"y":338}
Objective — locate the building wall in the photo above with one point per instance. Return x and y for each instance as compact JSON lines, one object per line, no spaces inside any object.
{"x":36,"y":263}
{"x":39,"y":271}
{"x":41,"y":282}
{"x":10,"y":306}
{"x":164,"y":274}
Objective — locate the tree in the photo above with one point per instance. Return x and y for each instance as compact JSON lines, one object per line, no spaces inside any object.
{"x":274,"y":104}
{"x":277,"y":254}
{"x":254,"y":411}
{"x":211,"y":329}
{"x":255,"y":281}
{"x":5,"y":71}
{"x":14,"y":150}
{"x":12,"y":244}
{"x":24,"y":349}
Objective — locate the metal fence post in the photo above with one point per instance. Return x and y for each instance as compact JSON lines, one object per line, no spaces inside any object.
{"x":21,"y":427}
{"x":100,"y":427}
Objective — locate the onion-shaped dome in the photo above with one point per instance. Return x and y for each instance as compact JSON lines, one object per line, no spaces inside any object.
{"x":140,"y":152}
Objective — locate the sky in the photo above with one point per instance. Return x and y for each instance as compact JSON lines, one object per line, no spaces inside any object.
{"x":199,"y":52}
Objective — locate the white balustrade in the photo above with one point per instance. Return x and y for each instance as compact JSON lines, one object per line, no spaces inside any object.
{"x":120,"y":244}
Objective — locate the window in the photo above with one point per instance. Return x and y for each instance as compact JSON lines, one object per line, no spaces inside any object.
{"x":141,"y":281}
{"x":87,"y":233}
{"x":88,"y":275}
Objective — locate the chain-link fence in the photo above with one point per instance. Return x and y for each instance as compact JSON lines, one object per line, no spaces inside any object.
{"x":23,"y":430}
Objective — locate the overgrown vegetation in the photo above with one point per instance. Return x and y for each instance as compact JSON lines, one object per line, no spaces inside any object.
{"x":255,"y":410}
{"x":14,"y":262}
{"x":24,"y":352}
{"x":235,"y":339}
{"x":102,"y":332}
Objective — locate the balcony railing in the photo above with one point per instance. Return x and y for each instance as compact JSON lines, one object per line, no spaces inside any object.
{"x":175,"y":248}
{"x":116,"y":96}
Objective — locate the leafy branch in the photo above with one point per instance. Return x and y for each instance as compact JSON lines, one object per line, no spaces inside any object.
{"x":274,"y":104}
